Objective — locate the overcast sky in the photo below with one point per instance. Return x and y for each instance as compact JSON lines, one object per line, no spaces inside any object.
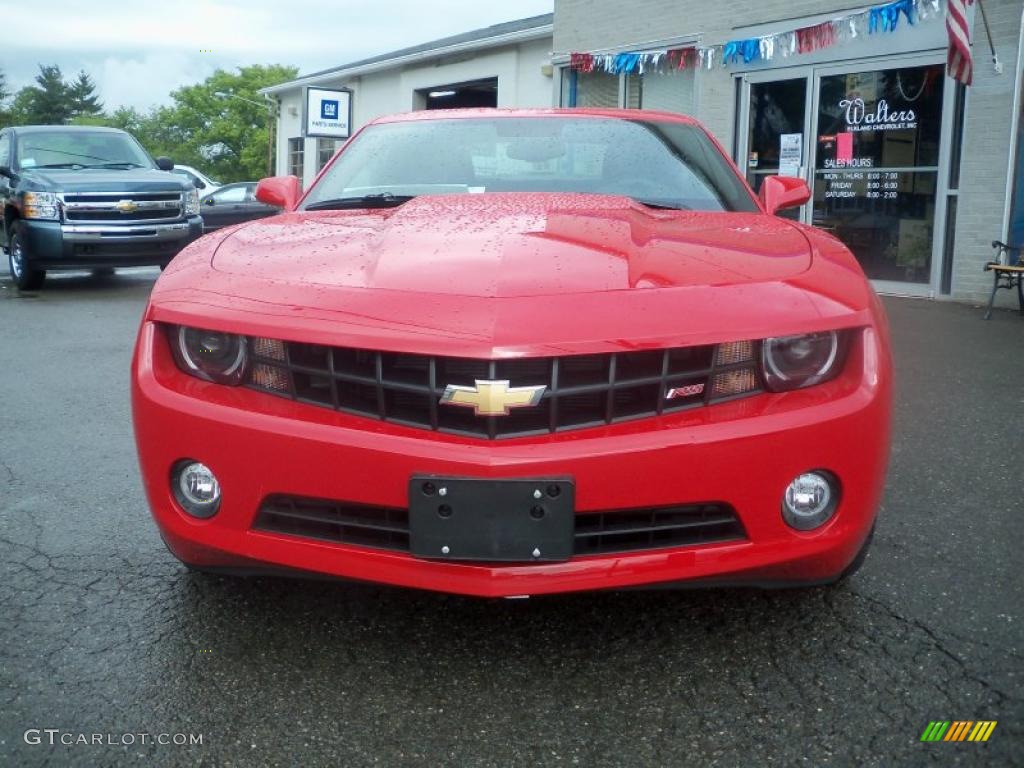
{"x":138,"y":52}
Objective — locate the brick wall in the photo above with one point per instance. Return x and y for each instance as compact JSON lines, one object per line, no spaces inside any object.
{"x":584,"y":25}
{"x":986,"y":152}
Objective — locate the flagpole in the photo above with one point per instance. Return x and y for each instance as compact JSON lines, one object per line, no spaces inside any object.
{"x":988,"y":34}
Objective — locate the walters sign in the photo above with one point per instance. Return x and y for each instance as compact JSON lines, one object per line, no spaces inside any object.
{"x":881,"y":118}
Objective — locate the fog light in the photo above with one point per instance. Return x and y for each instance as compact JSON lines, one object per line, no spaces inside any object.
{"x":196,"y":488}
{"x":810,"y":500}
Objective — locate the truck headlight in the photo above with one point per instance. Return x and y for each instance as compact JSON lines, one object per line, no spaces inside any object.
{"x":192,"y":202}
{"x":210,"y":355}
{"x":792,"y":362}
{"x":40,"y":205}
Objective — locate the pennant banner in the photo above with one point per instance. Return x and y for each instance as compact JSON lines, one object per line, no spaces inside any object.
{"x":880,"y":19}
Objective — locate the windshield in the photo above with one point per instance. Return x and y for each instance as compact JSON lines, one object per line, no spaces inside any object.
{"x":659,"y":163}
{"x":80,"y":149}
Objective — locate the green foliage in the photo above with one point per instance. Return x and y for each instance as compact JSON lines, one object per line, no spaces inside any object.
{"x":82,"y":98}
{"x":52,"y":101}
{"x":46,"y":102}
{"x":4,"y":96}
{"x":224,"y":135}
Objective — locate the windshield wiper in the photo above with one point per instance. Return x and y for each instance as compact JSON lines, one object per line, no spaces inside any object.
{"x":376,"y":200}
{"x":662,"y":206}
{"x":125,"y":164}
{"x":57,"y":165}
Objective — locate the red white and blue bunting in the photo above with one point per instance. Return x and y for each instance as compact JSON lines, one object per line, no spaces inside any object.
{"x":879,"y":19}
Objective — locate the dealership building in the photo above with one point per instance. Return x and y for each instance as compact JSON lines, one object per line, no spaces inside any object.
{"x":915,"y":172}
{"x":506,"y":65}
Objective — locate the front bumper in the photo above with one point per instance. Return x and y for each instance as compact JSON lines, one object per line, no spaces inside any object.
{"x":743,"y":453}
{"x":52,"y":245}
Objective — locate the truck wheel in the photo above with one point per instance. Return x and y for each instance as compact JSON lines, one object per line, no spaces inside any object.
{"x":25,"y":277}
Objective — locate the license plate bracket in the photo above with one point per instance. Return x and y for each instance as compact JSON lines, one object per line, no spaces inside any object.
{"x":473,"y":519}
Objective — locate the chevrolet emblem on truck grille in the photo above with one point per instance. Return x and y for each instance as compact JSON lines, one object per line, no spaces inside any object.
{"x":127,"y":206}
{"x":492,"y":398}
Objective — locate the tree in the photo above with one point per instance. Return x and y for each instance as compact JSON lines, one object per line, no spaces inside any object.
{"x":224,"y":134}
{"x":82,"y":98}
{"x":46,"y":103}
{"x":4,"y":96}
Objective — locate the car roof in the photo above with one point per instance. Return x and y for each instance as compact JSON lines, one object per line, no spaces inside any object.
{"x":619,"y":114}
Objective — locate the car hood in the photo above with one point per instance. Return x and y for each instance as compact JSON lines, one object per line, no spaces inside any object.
{"x":104,"y":180}
{"x":515,"y":245}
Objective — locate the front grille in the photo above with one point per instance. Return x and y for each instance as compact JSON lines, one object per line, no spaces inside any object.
{"x":634,"y":529}
{"x":108,"y":207}
{"x":597,"y":533}
{"x":376,"y":527}
{"x":580,"y":391}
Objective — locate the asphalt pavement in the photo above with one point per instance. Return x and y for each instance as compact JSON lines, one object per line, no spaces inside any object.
{"x":103,"y":634}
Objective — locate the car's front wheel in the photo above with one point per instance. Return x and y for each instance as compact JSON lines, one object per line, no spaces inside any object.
{"x":24,"y":275}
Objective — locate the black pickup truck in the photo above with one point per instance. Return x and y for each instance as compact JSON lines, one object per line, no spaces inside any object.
{"x":80,"y":197}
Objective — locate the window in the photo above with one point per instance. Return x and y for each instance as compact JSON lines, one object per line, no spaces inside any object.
{"x":5,"y":149}
{"x":325,"y":149}
{"x":80,"y":148}
{"x":296,"y":157}
{"x":671,"y":91}
{"x":232,"y":194}
{"x":660,"y":163}
{"x":878,"y":166}
{"x":597,"y":89}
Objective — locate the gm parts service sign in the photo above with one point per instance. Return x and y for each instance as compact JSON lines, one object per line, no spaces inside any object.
{"x":328,"y":113}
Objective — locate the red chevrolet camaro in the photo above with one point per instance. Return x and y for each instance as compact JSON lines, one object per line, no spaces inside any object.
{"x":505,"y":353}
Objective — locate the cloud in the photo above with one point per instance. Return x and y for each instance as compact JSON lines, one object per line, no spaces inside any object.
{"x":138,"y":53}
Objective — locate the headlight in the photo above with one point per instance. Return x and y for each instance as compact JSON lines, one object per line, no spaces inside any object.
{"x":192,"y":202}
{"x":791,"y":362}
{"x":40,"y":205}
{"x":210,"y":355}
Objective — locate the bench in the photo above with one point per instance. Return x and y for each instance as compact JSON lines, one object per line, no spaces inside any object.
{"x":1008,"y":272}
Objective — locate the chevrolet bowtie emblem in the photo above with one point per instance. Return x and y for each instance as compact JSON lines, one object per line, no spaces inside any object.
{"x":127,"y":206}
{"x":492,"y":398}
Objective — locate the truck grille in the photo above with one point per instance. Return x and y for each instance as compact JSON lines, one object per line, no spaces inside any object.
{"x":579,"y":391}
{"x":597,"y":533}
{"x":121,"y":208}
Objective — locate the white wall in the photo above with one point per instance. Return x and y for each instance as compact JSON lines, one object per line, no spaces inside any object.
{"x":521,"y":83}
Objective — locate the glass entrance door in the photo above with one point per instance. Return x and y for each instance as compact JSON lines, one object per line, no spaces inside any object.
{"x":876,"y":168}
{"x":870,"y":143}
{"x":777,"y":120}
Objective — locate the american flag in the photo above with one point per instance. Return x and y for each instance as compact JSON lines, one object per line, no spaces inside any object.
{"x":959,"y":64}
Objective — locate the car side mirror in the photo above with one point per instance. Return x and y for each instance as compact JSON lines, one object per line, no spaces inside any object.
{"x":780,"y":192}
{"x":280,"y":191}
{"x":198,"y":184}
{"x":165,"y":164}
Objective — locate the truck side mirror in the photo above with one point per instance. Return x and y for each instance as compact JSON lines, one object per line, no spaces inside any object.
{"x":6,"y":170}
{"x":165,"y":163}
{"x":280,"y":191}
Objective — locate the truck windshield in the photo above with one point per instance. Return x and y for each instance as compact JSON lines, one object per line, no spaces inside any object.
{"x":663,"y":164}
{"x":80,"y":149}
